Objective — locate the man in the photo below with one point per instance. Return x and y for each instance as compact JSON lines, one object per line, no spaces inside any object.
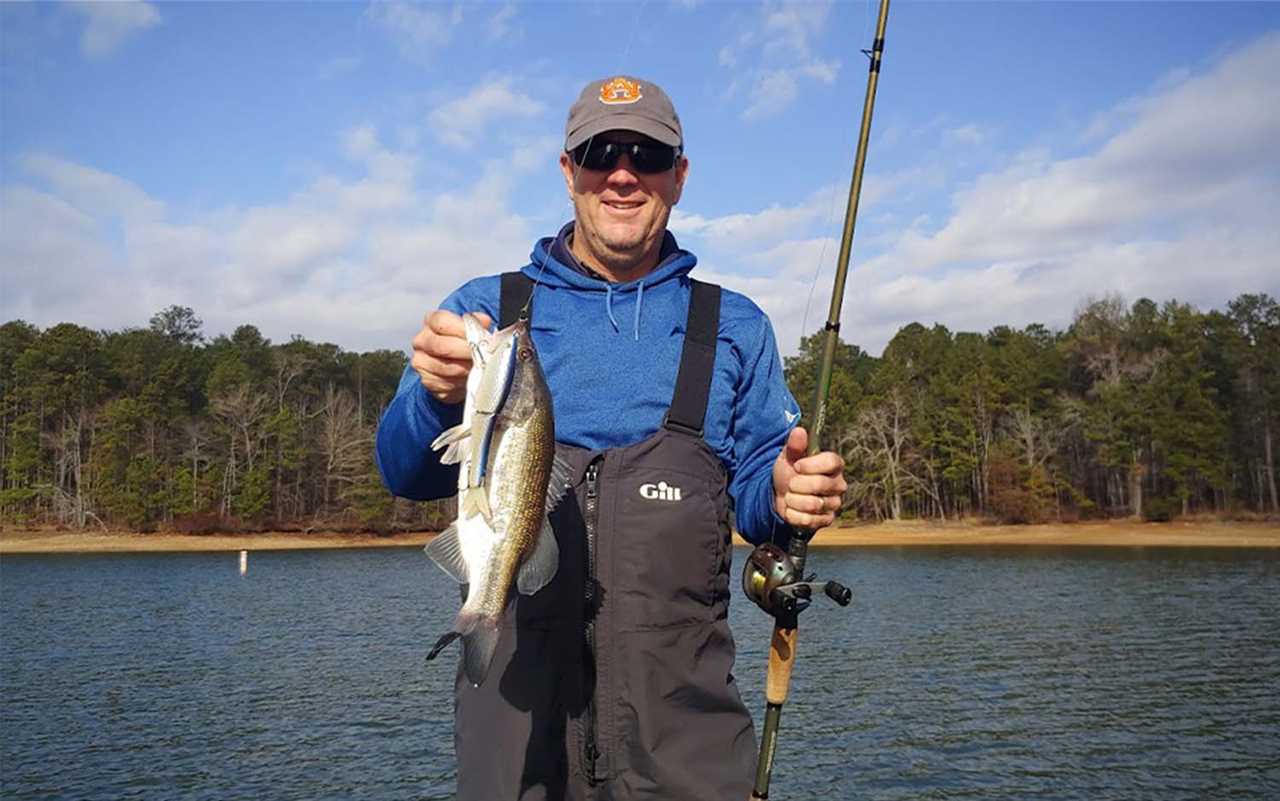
{"x":614,"y":681}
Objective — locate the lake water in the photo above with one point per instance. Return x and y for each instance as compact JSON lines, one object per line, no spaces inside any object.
{"x":957,"y":673}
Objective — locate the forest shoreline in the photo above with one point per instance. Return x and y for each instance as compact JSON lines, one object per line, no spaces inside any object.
{"x":1114,"y":533}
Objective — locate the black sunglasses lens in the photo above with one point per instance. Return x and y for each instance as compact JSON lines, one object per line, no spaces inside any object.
{"x":645,"y":158}
{"x":598,"y":155}
{"x":652,"y":158}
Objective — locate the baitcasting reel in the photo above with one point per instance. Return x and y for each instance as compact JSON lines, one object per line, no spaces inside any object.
{"x":770,"y":579}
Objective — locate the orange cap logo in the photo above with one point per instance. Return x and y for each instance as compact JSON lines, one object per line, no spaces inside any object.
{"x":619,"y":91}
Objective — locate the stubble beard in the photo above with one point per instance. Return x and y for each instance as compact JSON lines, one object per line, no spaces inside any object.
{"x":622,"y":256}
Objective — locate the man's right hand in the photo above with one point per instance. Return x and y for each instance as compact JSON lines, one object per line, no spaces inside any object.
{"x":442,"y":356}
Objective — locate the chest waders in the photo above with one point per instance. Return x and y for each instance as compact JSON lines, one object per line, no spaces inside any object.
{"x":615,"y":682}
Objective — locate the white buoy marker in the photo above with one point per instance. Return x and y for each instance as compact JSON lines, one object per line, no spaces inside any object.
{"x":244,"y":562}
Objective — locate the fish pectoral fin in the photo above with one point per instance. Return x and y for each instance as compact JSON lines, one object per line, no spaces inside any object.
{"x":475,"y":501}
{"x":450,"y":436}
{"x":542,"y":564}
{"x":446,"y":551}
{"x":559,"y":483}
{"x":454,"y":453}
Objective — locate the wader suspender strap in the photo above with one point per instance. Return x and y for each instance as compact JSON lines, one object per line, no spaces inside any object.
{"x":697,"y":361}
{"x":516,"y":289}
{"x":693,"y":381}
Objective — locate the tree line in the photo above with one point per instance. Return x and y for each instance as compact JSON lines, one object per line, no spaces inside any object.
{"x":159,"y":427}
{"x":1145,"y":410}
{"x":1148,"y":410}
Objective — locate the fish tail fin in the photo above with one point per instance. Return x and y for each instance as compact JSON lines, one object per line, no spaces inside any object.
{"x":479,"y":643}
{"x":475,"y":501}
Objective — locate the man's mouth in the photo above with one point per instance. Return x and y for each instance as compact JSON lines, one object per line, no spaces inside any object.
{"x":624,"y":205}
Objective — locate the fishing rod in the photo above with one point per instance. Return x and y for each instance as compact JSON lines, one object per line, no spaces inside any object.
{"x":774,"y":579}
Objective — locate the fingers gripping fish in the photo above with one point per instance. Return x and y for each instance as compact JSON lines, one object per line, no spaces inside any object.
{"x":508,"y":481}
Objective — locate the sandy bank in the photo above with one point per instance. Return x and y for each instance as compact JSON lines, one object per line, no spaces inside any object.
{"x":22,"y":541}
{"x":1114,"y":533}
{"x":1118,"y":533}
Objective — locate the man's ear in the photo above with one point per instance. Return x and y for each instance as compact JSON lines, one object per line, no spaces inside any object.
{"x":567,"y":168}
{"x":682,"y":172}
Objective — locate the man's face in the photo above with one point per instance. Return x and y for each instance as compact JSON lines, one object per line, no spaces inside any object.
{"x":621,"y":214}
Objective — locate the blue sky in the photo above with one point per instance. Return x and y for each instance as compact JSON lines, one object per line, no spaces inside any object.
{"x":334,"y":169}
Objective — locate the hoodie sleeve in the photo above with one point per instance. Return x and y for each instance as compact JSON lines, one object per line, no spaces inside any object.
{"x":414,"y":418}
{"x":764,"y":414}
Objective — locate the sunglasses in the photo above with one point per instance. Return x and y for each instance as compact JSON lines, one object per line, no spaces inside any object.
{"x":648,"y":158}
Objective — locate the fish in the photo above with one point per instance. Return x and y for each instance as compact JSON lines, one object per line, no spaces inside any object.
{"x":509,"y":479}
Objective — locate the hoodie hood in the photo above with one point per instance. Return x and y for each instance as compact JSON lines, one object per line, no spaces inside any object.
{"x":548,"y":269}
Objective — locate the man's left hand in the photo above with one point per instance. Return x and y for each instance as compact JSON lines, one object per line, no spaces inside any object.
{"x":807,"y":490}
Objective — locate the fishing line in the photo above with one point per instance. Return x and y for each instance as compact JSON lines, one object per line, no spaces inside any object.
{"x":831,"y":206}
{"x":577,"y":170}
{"x":822,"y":254}
{"x":635,"y":26}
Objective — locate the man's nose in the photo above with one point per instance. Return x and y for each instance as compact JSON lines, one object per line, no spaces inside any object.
{"x":623,"y":173}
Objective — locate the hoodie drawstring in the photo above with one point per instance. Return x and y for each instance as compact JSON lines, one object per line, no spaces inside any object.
{"x":608,"y":305}
{"x":639,"y":298}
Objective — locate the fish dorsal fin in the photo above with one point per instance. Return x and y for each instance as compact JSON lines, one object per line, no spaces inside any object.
{"x":562,"y":476}
{"x":542,"y":564}
{"x":446,"y":551}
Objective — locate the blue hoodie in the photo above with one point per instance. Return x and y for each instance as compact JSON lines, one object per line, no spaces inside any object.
{"x":610,"y":353}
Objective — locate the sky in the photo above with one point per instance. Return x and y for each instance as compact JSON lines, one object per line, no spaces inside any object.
{"x":333,"y":170}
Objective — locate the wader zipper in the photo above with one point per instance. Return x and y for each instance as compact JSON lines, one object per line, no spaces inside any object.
{"x":591,"y":750}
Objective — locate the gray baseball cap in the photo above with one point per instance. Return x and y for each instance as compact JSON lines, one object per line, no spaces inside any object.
{"x":623,"y":103}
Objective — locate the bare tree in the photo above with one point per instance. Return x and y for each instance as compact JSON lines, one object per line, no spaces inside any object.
{"x":242,"y":411}
{"x":882,"y":436}
{"x":344,"y":441}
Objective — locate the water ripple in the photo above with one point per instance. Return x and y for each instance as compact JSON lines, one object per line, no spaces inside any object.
{"x":957,"y":674}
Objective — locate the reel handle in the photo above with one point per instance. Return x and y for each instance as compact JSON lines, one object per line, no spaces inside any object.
{"x":838,"y":593}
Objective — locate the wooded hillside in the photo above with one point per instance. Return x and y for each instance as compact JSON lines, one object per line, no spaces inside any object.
{"x":157,"y":427}
{"x":1149,"y":410}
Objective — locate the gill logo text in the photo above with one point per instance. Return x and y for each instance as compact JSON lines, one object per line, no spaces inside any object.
{"x":662,"y":491}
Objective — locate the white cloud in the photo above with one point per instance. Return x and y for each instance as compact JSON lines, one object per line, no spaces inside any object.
{"x":772,"y":92}
{"x":418,"y":29}
{"x":52,"y":250}
{"x":775,"y":55}
{"x":92,"y":191}
{"x":968,"y":135}
{"x":788,"y":26}
{"x":1163,"y":206}
{"x":752,"y":229}
{"x":500,"y":24}
{"x":1159,"y":204}
{"x":357,"y":260}
{"x":340,"y":65}
{"x":459,"y":122}
{"x":110,"y":24}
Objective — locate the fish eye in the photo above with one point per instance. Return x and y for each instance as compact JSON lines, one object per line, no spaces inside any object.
{"x":524,"y":354}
